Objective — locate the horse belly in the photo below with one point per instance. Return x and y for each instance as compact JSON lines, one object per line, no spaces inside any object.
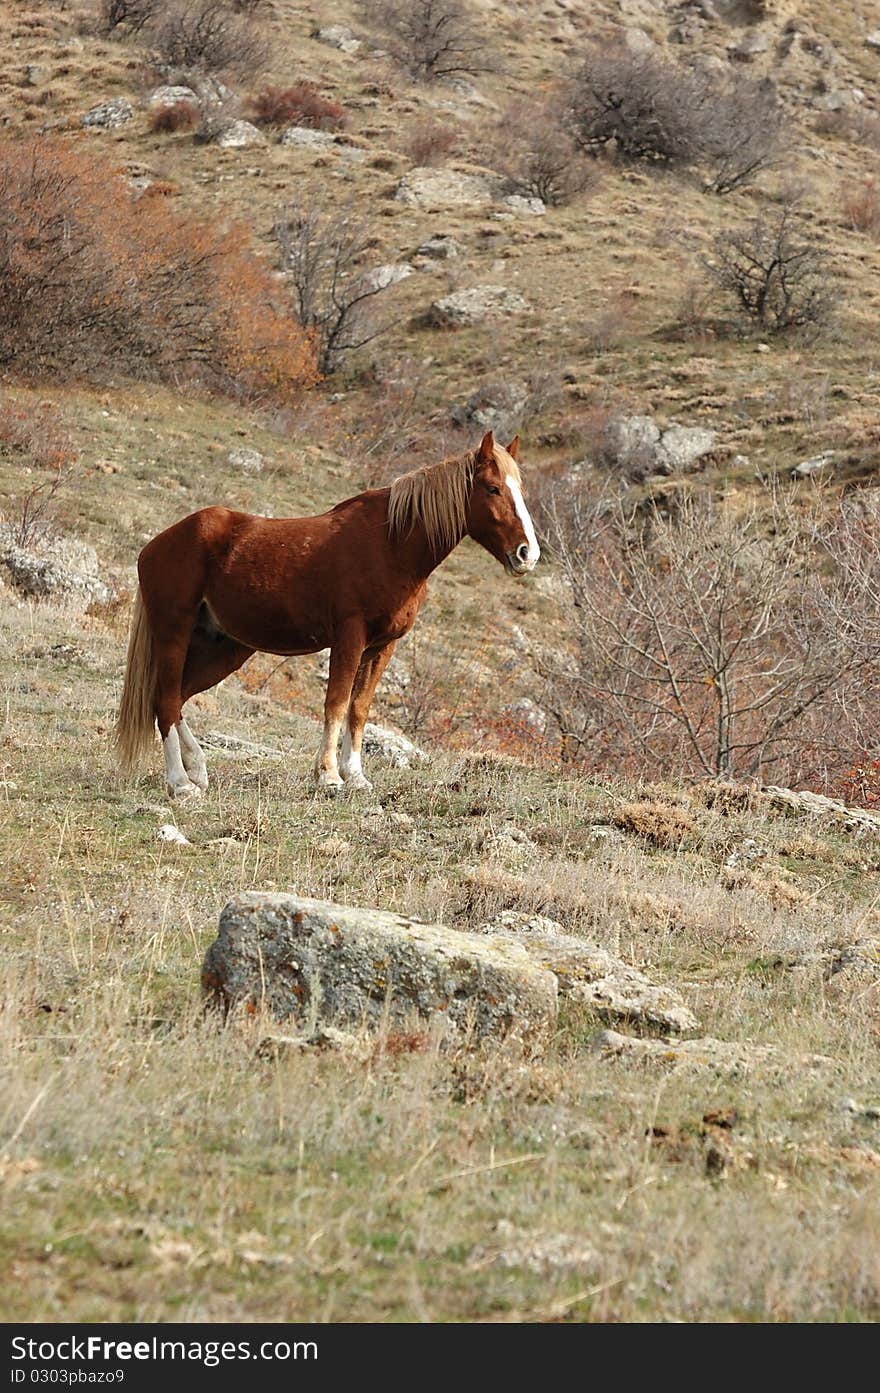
{"x":268,"y":628}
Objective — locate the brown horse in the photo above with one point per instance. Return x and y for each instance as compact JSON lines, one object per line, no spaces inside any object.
{"x":218,"y":586}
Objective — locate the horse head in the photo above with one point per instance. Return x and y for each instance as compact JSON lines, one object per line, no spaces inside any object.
{"x":497,"y":514}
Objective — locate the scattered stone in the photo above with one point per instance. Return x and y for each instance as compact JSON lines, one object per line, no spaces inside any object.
{"x":426,"y":187}
{"x":242,"y":749}
{"x":545,"y":1253}
{"x":323,"y":1037}
{"x":860,"y":959}
{"x":109,"y":115}
{"x":390,"y":745}
{"x":236,"y":135}
{"x":750,"y":46}
{"x":304,"y":959}
{"x":441,"y":247}
{"x":870,"y":1113}
{"x":873,"y":39}
{"x":594,"y":977}
{"x":634,"y":440}
{"x":338,"y":36}
{"x":170,"y":95}
{"x":169,"y":833}
{"x":728,"y":1055}
{"x":481,"y":302}
{"x":508,"y":842}
{"x":35,"y":74}
{"x":248,"y":461}
{"x":381,"y":277}
{"x":305,"y":136}
{"x":746,"y":854}
{"x":816,"y":465}
{"x":498,"y":407}
{"x":63,"y":568}
{"x":638,"y":42}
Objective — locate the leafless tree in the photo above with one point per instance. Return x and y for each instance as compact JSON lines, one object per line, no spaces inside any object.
{"x":706,"y":642}
{"x":649,"y":108}
{"x":431,"y":38}
{"x":780,"y":278}
{"x":129,"y":15}
{"x":326,"y":258}
{"x":538,"y":156}
{"x":211,"y":35}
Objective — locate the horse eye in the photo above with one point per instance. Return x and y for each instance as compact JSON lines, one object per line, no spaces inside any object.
{"x":493,"y":489}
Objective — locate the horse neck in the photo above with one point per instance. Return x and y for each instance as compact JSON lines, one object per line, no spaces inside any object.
{"x":417,"y":555}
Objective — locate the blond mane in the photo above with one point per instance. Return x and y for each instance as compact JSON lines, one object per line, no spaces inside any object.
{"x":437,"y":496}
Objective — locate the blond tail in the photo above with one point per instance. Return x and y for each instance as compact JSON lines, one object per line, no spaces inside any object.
{"x":136,"y":719}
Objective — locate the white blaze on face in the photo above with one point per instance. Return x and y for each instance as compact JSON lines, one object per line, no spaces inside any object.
{"x":522,"y":513}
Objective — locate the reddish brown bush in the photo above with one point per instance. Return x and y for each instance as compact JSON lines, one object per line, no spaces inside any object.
{"x":94,"y":280}
{"x":430,"y":142}
{"x":301,"y":105}
{"x":37,"y":435}
{"x":861,"y":207}
{"x":179,"y":116}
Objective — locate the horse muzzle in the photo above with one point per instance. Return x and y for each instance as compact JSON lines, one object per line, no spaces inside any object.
{"x":523,"y":560}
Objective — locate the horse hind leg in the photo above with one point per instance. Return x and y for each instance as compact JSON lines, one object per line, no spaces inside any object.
{"x":210,"y":657}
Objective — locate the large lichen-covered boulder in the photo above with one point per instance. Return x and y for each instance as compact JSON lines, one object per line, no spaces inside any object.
{"x":589,"y":974}
{"x":305,"y":959}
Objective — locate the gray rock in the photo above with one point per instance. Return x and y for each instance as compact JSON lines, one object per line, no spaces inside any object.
{"x":426,"y":187}
{"x":381,"y":277}
{"x":109,"y":115}
{"x":728,"y":1056}
{"x":390,"y":745}
{"x":310,"y":960}
{"x":817,"y":465}
{"x":497,"y":407}
{"x":750,"y":46}
{"x":525,"y":207}
{"x":236,"y":135}
{"x":242,"y":749}
{"x":35,"y":74}
{"x":633,"y":441}
{"x":638,"y":42}
{"x":816,"y":805}
{"x":170,"y":95}
{"x":306,"y":137}
{"x":873,"y":39}
{"x":481,"y":302}
{"x":682,"y":447}
{"x":339,"y":36}
{"x":441,"y":247}
{"x":594,"y":977}
{"x":60,"y":568}
{"x":249,"y":461}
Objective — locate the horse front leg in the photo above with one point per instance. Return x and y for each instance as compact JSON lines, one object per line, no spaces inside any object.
{"x":345,"y":659}
{"x":364,"y":688}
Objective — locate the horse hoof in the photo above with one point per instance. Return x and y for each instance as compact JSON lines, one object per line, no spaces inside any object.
{"x":357,"y":784}
{"x":327,"y":784}
{"x":181,"y":793}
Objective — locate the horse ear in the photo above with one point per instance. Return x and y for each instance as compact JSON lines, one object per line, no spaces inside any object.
{"x":513,"y":448}
{"x":486,"y":452}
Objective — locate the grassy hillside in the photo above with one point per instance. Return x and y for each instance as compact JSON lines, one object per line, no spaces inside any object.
{"x":158,"y":1165}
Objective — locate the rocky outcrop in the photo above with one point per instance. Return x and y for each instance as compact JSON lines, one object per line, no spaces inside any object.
{"x":248,"y":461}
{"x":426,"y":187}
{"x":62,"y":568}
{"x":594,"y":977}
{"x":816,"y":805}
{"x":637,"y":445}
{"x":481,"y":302}
{"x":338,"y":36}
{"x":307,"y":138}
{"x":498,"y":407}
{"x":390,"y":745}
{"x":109,"y":115}
{"x":728,"y":1056}
{"x":237,"y":135}
{"x":302,"y":959}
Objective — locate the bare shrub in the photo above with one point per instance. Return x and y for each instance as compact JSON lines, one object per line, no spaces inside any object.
{"x":855,"y":124}
{"x":431,"y":39}
{"x":649,"y":108}
{"x":538,"y":157}
{"x":37,"y":436}
{"x":177,"y":116}
{"x":211,"y":35}
{"x":130,"y":15}
{"x":778,"y":277}
{"x":94,"y":280}
{"x":861,"y":207}
{"x":707,"y":642}
{"x":300,"y":105}
{"x":31,"y":519}
{"x":326,"y":258}
{"x":429,"y":142}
